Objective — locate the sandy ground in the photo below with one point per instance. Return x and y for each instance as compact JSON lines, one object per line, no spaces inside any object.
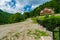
{"x":23,"y":27}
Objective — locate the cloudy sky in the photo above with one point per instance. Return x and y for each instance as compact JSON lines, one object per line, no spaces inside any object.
{"x":14,"y":6}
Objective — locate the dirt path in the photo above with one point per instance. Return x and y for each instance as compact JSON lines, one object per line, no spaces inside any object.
{"x":23,"y":27}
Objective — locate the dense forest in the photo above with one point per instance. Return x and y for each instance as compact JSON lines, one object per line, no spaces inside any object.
{"x":54,"y":4}
{"x":6,"y":17}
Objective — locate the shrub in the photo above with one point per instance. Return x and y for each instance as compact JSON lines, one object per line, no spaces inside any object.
{"x":34,"y":19}
{"x":56,"y":35}
{"x":50,"y":22}
{"x":26,"y":15}
{"x":15,"y":18}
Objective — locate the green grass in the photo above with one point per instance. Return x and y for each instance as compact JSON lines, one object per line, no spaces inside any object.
{"x":55,"y":15}
{"x":56,"y":29}
{"x":34,"y":20}
{"x":43,"y":17}
{"x":56,"y":35}
{"x":36,"y":33}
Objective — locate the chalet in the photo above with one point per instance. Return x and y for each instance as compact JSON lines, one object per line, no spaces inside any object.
{"x":47,"y":11}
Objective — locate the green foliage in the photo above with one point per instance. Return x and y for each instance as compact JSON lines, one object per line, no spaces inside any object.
{"x":56,"y":29}
{"x":36,"y":11}
{"x":54,"y":4}
{"x":4,"y":17}
{"x":26,"y":15}
{"x":15,"y":18}
{"x":50,"y":22}
{"x":34,"y":19}
{"x":56,"y":35}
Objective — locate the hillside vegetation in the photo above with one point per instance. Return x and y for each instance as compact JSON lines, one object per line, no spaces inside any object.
{"x":50,"y":21}
{"x":6,"y":18}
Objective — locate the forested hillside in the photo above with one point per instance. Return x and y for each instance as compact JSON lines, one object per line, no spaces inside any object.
{"x":4,"y":17}
{"x":54,"y":4}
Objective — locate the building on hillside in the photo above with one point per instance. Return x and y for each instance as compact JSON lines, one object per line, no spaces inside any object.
{"x":47,"y":11}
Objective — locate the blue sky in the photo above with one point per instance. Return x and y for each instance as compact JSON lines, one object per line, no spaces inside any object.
{"x":14,"y":6}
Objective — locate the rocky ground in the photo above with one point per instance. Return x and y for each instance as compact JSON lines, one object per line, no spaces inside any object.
{"x":18,"y":31}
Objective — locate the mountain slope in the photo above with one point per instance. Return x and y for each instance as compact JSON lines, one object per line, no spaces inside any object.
{"x":51,"y":4}
{"x":37,"y":10}
{"x":4,"y":17}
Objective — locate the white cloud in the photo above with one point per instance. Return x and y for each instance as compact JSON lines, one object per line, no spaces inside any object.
{"x":20,"y":4}
{"x":33,"y":7}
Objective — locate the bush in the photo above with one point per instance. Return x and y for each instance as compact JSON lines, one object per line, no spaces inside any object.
{"x":34,"y":19}
{"x":15,"y":18}
{"x":26,"y":15}
{"x":50,"y":22}
{"x":56,"y":35}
